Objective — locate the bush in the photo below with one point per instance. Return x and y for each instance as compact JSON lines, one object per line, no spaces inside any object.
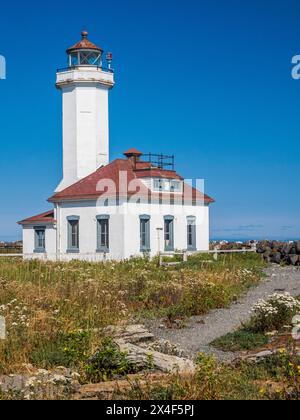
{"x":108,"y":363}
{"x":67,"y":349}
{"x":274,"y":312}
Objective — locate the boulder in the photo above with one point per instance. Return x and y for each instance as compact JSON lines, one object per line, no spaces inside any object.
{"x":298,"y":247}
{"x":130,"y":333}
{"x":293,"y":259}
{"x":142,"y":358}
{"x":276,"y":257}
{"x":287,"y":249}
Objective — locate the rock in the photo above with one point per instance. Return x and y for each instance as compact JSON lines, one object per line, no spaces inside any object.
{"x":41,"y":384}
{"x":293,"y":259}
{"x":166,"y":347}
{"x":142,"y":358}
{"x":109,"y":390}
{"x":255,"y":357}
{"x":276,"y":257}
{"x":298,"y":247}
{"x":287,"y":249}
{"x":130,"y":333}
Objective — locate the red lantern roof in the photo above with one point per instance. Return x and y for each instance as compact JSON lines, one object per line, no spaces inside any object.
{"x":84,"y":44}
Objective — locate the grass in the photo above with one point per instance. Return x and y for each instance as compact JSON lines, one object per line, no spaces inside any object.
{"x":240,"y":340}
{"x":55,"y":312}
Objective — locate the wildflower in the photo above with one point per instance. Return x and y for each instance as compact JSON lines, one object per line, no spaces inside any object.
{"x":262,"y":392}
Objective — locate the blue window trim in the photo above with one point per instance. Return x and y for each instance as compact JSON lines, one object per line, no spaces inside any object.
{"x":71,"y":218}
{"x":37,"y":249}
{"x":147,"y":247}
{"x":191,"y":221}
{"x":102,"y":249}
{"x":171,"y":247}
{"x":71,"y":249}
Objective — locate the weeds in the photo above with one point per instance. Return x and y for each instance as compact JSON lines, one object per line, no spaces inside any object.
{"x":55,"y":311}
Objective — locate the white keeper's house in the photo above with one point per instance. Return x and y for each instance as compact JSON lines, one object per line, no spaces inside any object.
{"x":133,"y":206}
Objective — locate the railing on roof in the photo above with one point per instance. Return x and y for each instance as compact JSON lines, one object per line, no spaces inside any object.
{"x":160,"y":161}
{"x":105,"y":69}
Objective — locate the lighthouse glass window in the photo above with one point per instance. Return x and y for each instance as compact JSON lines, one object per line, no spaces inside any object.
{"x":89,"y":59}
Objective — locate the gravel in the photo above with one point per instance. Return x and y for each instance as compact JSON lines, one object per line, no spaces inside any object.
{"x":200,"y":331}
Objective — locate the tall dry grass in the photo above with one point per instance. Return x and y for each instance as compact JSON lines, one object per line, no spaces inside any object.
{"x":55,"y":311}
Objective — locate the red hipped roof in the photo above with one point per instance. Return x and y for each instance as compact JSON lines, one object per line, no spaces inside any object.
{"x":94,"y":185}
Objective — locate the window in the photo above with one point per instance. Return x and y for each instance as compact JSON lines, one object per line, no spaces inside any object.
{"x":167,"y":185}
{"x":191,"y":233}
{"x":175,"y":186}
{"x":89,"y":58}
{"x":158,"y":185}
{"x":169,"y":233}
{"x":40,"y":239}
{"x":73,"y":234}
{"x":145,"y":233}
{"x":103,"y":233}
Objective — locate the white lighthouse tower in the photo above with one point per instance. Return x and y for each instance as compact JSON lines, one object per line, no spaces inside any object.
{"x":85,"y":86}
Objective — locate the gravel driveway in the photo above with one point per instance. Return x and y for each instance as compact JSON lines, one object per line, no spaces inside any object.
{"x":202,"y":330}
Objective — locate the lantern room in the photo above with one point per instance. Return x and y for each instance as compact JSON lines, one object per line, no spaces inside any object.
{"x":84,"y":53}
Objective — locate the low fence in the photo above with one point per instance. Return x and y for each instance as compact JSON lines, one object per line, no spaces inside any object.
{"x":103,"y":257}
{"x":215,"y":252}
{"x":11,"y":250}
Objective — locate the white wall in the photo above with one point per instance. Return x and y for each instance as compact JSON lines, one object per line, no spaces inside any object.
{"x":85,"y":122}
{"x":88,"y":228}
{"x":124,"y":226}
{"x":157,"y":213}
{"x":29,"y":241}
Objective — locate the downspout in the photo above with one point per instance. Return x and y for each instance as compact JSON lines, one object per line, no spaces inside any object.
{"x":57,"y":231}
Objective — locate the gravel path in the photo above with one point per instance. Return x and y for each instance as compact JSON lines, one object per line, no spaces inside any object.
{"x":202,"y":330}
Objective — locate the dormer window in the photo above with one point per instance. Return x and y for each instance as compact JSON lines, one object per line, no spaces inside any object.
{"x":167,"y":185}
{"x":175,"y":186}
{"x":158,"y":185}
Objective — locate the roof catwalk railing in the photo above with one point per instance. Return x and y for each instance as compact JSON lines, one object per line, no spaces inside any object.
{"x":160,"y":161}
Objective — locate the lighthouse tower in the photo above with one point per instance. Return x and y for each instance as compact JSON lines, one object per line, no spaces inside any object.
{"x":85,"y":86}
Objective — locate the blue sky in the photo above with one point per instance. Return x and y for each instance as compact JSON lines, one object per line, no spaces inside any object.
{"x":209,"y":81}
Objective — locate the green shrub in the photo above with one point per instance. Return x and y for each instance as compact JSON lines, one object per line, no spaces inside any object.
{"x":274,"y":312}
{"x":68,"y":349}
{"x":108,"y":363}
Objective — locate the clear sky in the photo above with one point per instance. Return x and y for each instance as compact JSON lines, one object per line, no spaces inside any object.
{"x":209,"y":81}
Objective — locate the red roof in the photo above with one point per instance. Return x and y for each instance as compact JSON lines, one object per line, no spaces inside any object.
{"x":132,"y":152}
{"x":47,"y":217}
{"x":84,"y":44}
{"x":106,"y":180}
